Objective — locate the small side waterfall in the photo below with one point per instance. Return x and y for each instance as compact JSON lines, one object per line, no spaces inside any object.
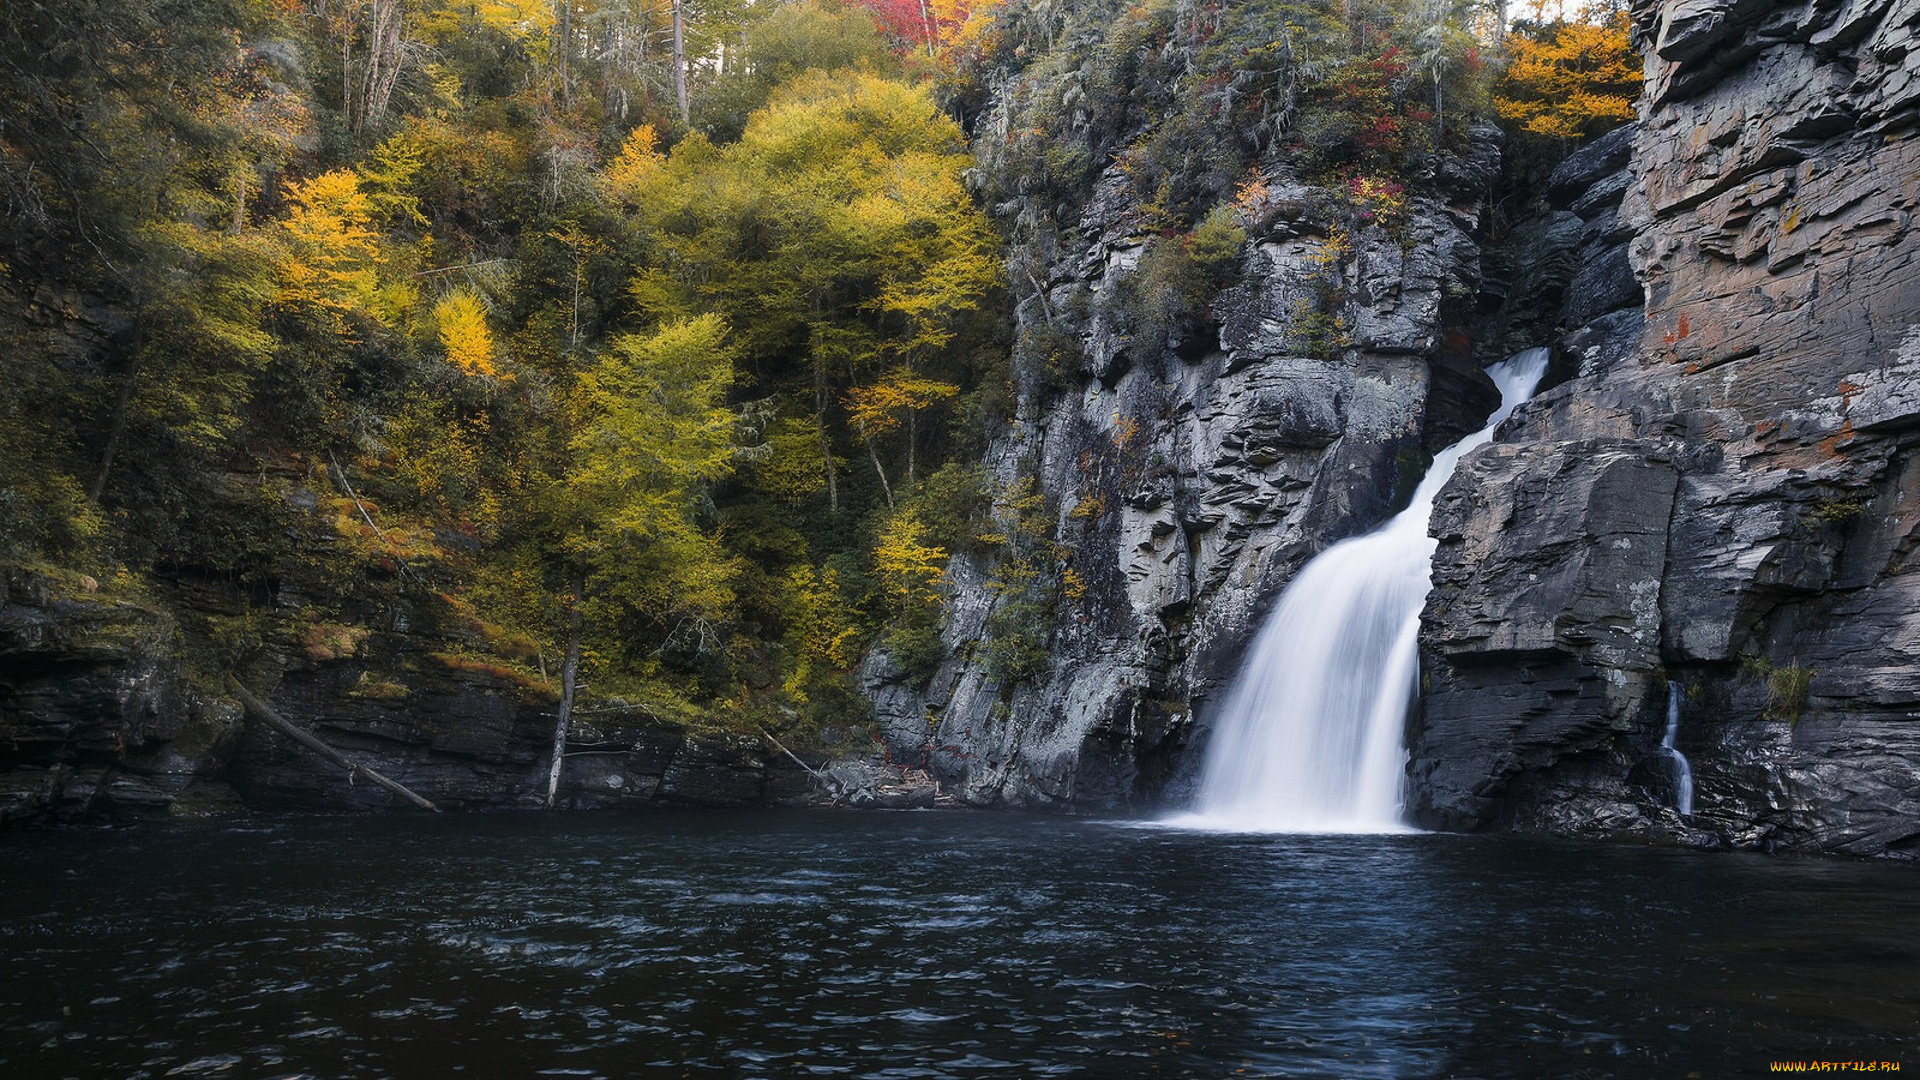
{"x":1682,"y":768}
{"x":1310,"y":738}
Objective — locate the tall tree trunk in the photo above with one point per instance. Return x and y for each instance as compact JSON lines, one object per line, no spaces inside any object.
{"x":563,"y":50}
{"x":347,"y":81}
{"x":885,"y":488}
{"x":578,"y":272}
{"x":913,"y":443}
{"x":679,"y":65}
{"x":384,"y":58}
{"x":569,"y":678}
{"x":609,"y":78}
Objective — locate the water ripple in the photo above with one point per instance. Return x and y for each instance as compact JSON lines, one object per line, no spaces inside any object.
{"x":937,"y":945}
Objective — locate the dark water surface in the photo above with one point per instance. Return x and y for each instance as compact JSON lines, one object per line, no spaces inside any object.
{"x":930,"y":945}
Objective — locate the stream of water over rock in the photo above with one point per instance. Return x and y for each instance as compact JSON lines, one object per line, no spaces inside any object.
{"x":1310,"y":738}
{"x":1682,"y":768}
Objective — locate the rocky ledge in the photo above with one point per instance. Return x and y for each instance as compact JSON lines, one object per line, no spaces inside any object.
{"x":115,"y":707}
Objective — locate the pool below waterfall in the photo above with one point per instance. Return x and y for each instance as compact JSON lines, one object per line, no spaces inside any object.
{"x":930,"y":945}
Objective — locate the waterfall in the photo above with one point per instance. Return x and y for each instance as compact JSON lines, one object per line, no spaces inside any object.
{"x":1682,"y":768}
{"x":1311,"y":736}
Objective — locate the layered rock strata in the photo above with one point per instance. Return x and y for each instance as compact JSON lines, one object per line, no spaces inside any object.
{"x":1725,"y":499}
{"x":116,"y":708}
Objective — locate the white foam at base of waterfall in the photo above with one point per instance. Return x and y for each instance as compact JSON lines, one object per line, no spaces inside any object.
{"x":1310,"y":738}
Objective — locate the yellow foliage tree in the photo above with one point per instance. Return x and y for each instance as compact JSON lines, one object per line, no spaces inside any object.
{"x":525,"y":21}
{"x":964,"y":30}
{"x":335,"y":262}
{"x":1570,"y":79}
{"x":387,"y":177}
{"x":639,"y":157}
{"x":899,"y":395}
{"x":333,"y":253}
{"x":464,"y":333}
{"x":659,"y":428}
{"x":821,"y":639}
{"x":835,"y":234}
{"x":791,"y":471}
{"x":911,"y":570}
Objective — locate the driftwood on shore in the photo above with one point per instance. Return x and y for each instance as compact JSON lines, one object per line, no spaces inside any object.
{"x":263,"y":712}
{"x":811,"y":771}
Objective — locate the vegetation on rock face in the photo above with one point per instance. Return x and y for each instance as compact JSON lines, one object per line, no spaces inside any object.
{"x":669,"y":400}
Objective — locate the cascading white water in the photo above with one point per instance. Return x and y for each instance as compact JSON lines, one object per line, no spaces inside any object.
{"x":1682,"y":768}
{"x":1309,"y":739}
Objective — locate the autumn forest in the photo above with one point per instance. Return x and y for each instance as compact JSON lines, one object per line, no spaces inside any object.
{"x":658,"y":343}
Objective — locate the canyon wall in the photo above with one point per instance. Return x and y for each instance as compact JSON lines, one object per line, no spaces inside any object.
{"x":1723,"y":495}
{"x":1713,"y":501}
{"x":1186,"y":480}
{"x":1715,"y":496}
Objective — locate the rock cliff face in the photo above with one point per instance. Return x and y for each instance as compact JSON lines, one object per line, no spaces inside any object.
{"x":1713,"y":503}
{"x":1724,"y":494}
{"x":1187,"y":482}
{"x":1714,"y":499}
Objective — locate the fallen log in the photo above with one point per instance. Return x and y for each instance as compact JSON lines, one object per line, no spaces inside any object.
{"x":263,"y":712}
{"x":811,"y":771}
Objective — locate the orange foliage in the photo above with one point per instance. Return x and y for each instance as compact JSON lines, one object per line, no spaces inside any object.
{"x":880,"y":407}
{"x":955,"y":32}
{"x":1570,"y":80}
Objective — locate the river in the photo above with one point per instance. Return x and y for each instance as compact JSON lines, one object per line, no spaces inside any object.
{"x":930,"y":944}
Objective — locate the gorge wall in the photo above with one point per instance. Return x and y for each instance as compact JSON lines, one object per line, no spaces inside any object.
{"x":1187,"y":471}
{"x":1725,"y":498}
{"x":1191,"y":483}
{"x":1718,"y":489}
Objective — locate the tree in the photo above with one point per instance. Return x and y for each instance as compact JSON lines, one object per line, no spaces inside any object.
{"x":1570,"y":79}
{"x":795,"y":38}
{"x":651,"y":431}
{"x":835,"y":235}
{"x":464,"y":334}
{"x":897,"y":396}
{"x":912,"y":574}
{"x":910,"y":569}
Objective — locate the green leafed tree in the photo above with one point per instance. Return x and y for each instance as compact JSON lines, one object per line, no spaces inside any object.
{"x":835,"y":234}
{"x":651,"y":431}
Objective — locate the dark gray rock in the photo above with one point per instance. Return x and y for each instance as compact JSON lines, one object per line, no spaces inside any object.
{"x":115,"y":709}
{"x":1725,"y":495}
{"x":1594,"y":168}
{"x":1192,"y":482}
